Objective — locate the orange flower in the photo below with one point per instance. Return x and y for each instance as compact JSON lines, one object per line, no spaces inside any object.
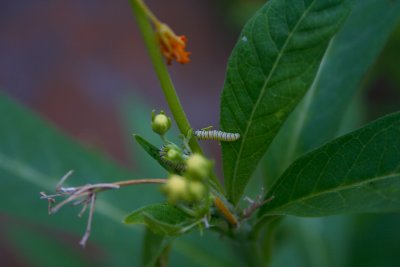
{"x":172,"y":46}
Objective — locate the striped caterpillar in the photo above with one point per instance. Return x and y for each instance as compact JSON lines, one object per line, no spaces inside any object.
{"x":216,"y":135}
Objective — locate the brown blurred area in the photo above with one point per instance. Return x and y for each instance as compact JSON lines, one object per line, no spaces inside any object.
{"x":74,"y":61}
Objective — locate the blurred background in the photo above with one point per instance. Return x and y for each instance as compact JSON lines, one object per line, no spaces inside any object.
{"x":75,"y":61}
{"x":83,"y":67}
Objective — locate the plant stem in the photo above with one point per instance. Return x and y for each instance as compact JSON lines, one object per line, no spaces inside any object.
{"x":142,"y":181}
{"x":133,"y":182}
{"x":142,"y":15}
{"x":162,"y":72}
{"x":147,"y":11}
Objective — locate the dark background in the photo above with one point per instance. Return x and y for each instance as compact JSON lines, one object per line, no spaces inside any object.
{"x":75,"y":61}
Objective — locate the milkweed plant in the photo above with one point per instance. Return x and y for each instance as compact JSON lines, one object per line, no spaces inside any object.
{"x":283,"y":108}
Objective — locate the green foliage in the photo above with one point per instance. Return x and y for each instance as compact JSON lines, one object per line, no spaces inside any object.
{"x":33,"y":157}
{"x":319,"y":116}
{"x":154,"y":152}
{"x":188,"y":250}
{"x":358,"y":172}
{"x":271,"y":67}
{"x":164,"y":219}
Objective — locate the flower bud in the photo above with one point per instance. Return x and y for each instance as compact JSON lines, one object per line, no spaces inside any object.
{"x":160,"y":123}
{"x":198,"y":167}
{"x":174,"y":155}
{"x":176,"y":188}
{"x":197,"y":190}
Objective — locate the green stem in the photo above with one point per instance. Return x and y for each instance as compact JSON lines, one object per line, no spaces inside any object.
{"x":150,"y":40}
{"x":162,"y":73}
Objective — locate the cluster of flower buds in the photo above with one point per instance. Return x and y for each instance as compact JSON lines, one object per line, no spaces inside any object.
{"x":188,"y":183}
{"x":191,"y":186}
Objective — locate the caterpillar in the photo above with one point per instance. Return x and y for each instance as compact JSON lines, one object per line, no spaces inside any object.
{"x":216,"y":135}
{"x":176,"y":167}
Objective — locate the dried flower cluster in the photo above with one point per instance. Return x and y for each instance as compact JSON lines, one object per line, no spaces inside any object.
{"x":82,"y":195}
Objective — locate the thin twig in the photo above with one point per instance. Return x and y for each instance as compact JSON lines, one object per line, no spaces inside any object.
{"x":254,"y":206}
{"x":86,"y":195}
{"x":82,"y":191}
{"x":63,"y":179}
{"x":89,"y":223}
{"x":50,"y":200}
{"x":85,"y":205}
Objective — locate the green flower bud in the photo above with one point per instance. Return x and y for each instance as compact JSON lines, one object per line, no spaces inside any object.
{"x":160,"y":123}
{"x":197,"y":190}
{"x":198,"y":167}
{"x":176,"y":188}
{"x":174,"y":155}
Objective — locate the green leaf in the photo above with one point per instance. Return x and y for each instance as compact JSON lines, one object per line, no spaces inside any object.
{"x":358,"y":172}
{"x":154,"y":152}
{"x":270,"y":69}
{"x":319,"y":116}
{"x":162,"y":219}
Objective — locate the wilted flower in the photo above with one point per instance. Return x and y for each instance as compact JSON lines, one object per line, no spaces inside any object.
{"x":172,"y":46}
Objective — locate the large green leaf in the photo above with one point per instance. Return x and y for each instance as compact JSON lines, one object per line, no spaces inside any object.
{"x":271,"y":67}
{"x":318,"y":117}
{"x":33,"y":156}
{"x":359,"y":172}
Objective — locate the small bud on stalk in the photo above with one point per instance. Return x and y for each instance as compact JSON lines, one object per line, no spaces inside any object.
{"x":160,"y":123}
